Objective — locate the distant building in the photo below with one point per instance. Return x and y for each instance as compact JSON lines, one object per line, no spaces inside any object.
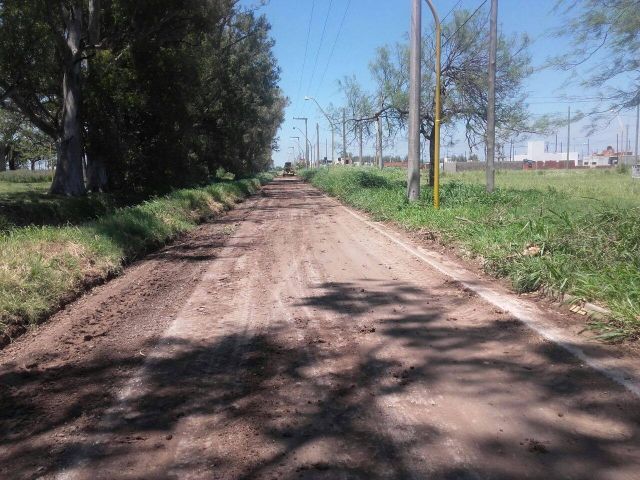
{"x":536,"y":153}
{"x":607,"y":158}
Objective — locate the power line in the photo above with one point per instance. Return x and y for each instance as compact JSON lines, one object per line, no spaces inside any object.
{"x":464,"y":23}
{"x":449,"y":12}
{"x":553,"y":102}
{"x":306,"y":48}
{"x":324,"y":28}
{"x":335,"y":42}
{"x":566,"y":97}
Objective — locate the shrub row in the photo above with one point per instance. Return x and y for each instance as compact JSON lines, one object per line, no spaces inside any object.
{"x":42,"y":267}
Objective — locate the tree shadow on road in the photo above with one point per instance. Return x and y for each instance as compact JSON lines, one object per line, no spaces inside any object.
{"x":317,"y":399}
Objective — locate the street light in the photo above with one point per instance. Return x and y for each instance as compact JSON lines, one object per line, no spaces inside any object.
{"x":413,"y":171}
{"x":307,"y":143}
{"x":305,"y":136}
{"x":299,"y":147}
{"x":330,"y":123}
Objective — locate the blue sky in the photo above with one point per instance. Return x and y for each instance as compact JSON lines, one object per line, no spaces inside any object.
{"x":344,"y":34}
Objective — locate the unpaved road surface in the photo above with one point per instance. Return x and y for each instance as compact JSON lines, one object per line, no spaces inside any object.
{"x":289,"y":340}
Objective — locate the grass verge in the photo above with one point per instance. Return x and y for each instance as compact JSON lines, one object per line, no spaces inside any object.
{"x":537,"y":237}
{"x":27,"y":176}
{"x":23,"y":204}
{"x":43,"y":267}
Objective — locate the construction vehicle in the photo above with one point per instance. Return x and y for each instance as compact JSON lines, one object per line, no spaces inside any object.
{"x":288,"y":169}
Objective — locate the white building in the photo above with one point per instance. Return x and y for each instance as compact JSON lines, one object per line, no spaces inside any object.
{"x":598,"y":161}
{"x":536,"y":153}
{"x":607,"y":158}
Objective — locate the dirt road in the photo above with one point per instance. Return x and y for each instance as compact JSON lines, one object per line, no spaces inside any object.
{"x":290,"y":340}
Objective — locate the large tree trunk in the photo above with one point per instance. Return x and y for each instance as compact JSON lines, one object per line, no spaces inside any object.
{"x":69,"y":178}
{"x":94,"y":22}
{"x":3,"y":159}
{"x":96,"y":167}
{"x":11,"y":156}
{"x":96,"y":173}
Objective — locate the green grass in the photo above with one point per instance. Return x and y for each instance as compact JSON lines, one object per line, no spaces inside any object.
{"x":23,"y":204}
{"x":586,"y":225}
{"x":43,"y":266}
{"x":589,"y":184}
{"x":27,"y":176}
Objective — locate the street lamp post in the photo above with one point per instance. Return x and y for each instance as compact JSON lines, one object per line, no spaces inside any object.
{"x":306,"y":157}
{"x":307,"y":143}
{"x":298,"y":140}
{"x":330,"y":124}
{"x":413,"y":173}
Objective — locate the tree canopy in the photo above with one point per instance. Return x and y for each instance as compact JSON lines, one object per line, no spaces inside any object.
{"x":144,"y":95}
{"x":464,"y":83}
{"x":605,"y":40}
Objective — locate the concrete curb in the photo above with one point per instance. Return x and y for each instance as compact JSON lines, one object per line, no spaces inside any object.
{"x":525,"y":311}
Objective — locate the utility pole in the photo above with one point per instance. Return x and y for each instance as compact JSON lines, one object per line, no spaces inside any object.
{"x":333,"y":150}
{"x":379,"y":141}
{"x":360,"y":141}
{"x":491,"y":97}
{"x":568,"y":133}
{"x":317,"y":144}
{"x":637,"y":129}
{"x":415,"y":55}
{"x":298,"y":140}
{"x":556,"y":150}
{"x":331,"y":124}
{"x":627,"y":145}
{"x":617,"y":145}
{"x":344,"y":135}
{"x":306,"y":136}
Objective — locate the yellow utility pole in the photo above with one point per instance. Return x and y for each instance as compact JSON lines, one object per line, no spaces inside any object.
{"x":436,"y":132}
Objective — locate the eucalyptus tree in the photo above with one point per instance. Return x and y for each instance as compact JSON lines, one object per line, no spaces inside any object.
{"x":240,"y":106}
{"x":145,"y":95}
{"x":43,"y":45}
{"x":21,"y":144}
{"x":10,"y":128}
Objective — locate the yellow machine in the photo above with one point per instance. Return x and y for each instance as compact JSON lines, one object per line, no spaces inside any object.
{"x":288,"y":169}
